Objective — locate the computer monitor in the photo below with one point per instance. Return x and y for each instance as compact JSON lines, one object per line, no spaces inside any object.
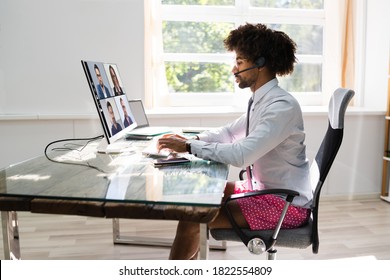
{"x":138,"y":111}
{"x":110,"y":99}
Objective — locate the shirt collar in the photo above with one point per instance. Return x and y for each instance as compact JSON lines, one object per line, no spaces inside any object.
{"x":264,"y":89}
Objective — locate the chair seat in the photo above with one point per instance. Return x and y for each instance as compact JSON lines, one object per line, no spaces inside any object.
{"x":300,"y":238}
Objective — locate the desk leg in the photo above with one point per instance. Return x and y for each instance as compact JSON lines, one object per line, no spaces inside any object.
{"x":205,"y":244}
{"x":10,"y":229}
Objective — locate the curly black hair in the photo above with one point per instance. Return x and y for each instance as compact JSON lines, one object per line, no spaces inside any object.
{"x":257,"y":40}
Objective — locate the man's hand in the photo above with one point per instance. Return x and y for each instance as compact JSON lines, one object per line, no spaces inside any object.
{"x":173,"y":142}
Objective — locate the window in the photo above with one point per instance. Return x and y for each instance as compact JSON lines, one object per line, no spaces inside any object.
{"x":198,"y":68}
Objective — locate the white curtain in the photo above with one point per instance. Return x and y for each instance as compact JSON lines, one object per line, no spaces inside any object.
{"x":156,"y":88}
{"x":349,"y":48}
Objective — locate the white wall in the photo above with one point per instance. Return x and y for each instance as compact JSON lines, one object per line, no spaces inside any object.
{"x":43,"y":41}
{"x":44,"y":95}
{"x":377,"y":54}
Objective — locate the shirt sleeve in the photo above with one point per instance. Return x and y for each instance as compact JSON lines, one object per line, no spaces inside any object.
{"x":229,"y":145}
{"x":226,"y":134}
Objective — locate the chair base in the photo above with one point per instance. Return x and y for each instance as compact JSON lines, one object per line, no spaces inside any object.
{"x":271,"y":254}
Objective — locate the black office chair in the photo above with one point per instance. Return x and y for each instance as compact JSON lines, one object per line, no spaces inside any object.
{"x":265,"y":240}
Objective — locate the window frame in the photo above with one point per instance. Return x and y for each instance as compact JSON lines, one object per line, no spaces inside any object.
{"x":240,"y":14}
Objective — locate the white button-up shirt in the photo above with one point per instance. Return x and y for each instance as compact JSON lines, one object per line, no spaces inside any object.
{"x":274,"y":146}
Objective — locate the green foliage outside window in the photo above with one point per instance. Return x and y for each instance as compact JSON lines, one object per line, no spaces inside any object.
{"x":189,"y":37}
{"x":199,"y":77}
{"x":195,"y":37}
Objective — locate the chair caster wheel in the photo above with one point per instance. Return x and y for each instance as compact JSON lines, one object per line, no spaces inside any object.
{"x":256,"y":246}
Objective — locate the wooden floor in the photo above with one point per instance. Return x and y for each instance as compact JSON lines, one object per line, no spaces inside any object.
{"x":348,"y":229}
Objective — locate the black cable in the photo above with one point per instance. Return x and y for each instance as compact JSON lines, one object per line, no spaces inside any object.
{"x":89,"y":140}
{"x":68,"y":149}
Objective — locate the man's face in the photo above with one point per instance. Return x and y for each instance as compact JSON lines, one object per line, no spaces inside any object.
{"x":247,"y":78}
{"x":123,"y":107}
{"x":111,"y":112}
{"x":99,"y":76}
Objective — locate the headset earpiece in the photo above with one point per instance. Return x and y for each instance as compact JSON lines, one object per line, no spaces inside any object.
{"x":260,"y":62}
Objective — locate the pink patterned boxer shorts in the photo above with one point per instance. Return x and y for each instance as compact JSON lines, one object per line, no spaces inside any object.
{"x":263,"y":212}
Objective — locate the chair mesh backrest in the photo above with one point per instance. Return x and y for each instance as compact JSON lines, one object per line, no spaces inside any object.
{"x":328,"y":151}
{"x":333,"y":137}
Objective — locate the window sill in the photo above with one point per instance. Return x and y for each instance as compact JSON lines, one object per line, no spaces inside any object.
{"x":231,"y":111}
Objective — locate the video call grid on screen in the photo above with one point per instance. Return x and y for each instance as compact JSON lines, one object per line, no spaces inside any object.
{"x":107,"y":90}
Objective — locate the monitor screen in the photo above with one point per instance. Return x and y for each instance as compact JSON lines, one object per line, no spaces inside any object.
{"x":110,"y":99}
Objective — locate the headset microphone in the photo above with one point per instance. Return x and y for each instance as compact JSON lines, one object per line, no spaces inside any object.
{"x":258,"y":63}
{"x":246,"y":69}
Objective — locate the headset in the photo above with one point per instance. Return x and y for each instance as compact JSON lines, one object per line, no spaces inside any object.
{"x":259,"y":62}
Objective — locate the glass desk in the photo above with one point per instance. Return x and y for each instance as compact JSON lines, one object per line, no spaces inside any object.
{"x":76,"y":180}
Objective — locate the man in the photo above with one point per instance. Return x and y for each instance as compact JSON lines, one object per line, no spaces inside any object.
{"x":116,"y":127}
{"x":271,"y":144}
{"x":103,"y":91}
{"x":127,"y":120}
